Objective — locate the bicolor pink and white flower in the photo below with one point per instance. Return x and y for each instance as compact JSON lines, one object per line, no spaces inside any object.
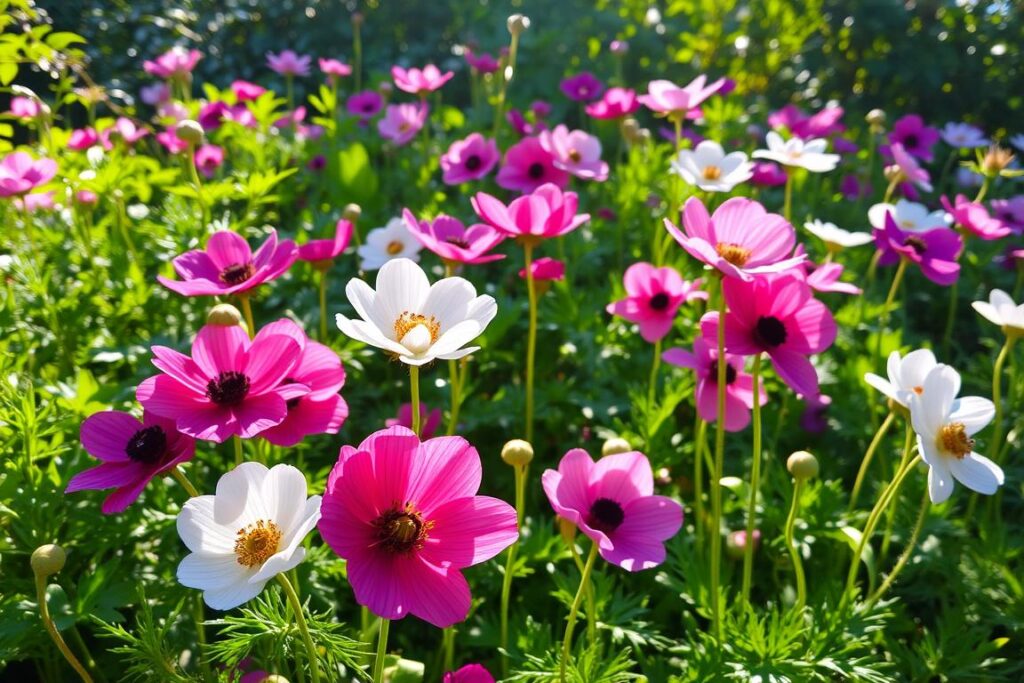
{"x":450,"y":239}
{"x":909,"y":169}
{"x":653,"y":297}
{"x":229,"y":266}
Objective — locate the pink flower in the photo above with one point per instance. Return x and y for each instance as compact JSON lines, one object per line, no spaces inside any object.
{"x":616,"y":103}
{"x":575,"y":152}
{"x":483,"y":63}
{"x":768,"y":174}
{"x":430,"y":419}
{"x":420,"y":81}
{"x":452,"y":241}
{"x":741,"y":240}
{"x":86,"y":198}
{"x":739,"y":386}
{"x":20,"y":173}
{"x":819,"y":125}
{"x":25,"y":107}
{"x":291,"y":119}
{"x":547,"y":212}
{"x":469,"y":159}
{"x":131,"y":453}
{"x":155,"y":93}
{"x":82,"y":138}
{"x":653,"y":296}
{"x":665,"y":97}
{"x":334,"y":69}
{"x":974,"y":218}
{"x":612,"y":501}
{"x":528,"y":165}
{"x":471,"y":673}
{"x":1010,"y":211}
{"x":245,"y":91}
{"x":123,"y":129}
{"x":406,"y":516}
{"x":545,"y":269}
{"x":228,"y":266}
{"x":910,"y":168}
{"x":36,"y":201}
{"x":934,"y":251}
{"x":230,"y":385}
{"x":365,"y":104}
{"x":824,"y":277}
{"x":401,"y":122}
{"x":777,"y":315}
{"x":325,"y":251}
{"x":813,"y":417}
{"x":171,"y":142}
{"x":914,"y":136}
{"x":175,"y":63}
{"x":208,"y":159}
{"x":288,"y":63}
{"x":582,"y":87}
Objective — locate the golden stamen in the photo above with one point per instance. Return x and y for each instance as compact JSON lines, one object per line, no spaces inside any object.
{"x":406,"y":321}
{"x":733,"y":253}
{"x":395,"y":247}
{"x":257,"y":542}
{"x":712,"y":173}
{"x":953,"y":439}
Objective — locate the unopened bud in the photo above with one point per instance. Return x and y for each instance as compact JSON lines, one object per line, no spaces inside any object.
{"x":615,"y":445}
{"x":802,"y":465}
{"x":517,"y":453}
{"x":517,"y":23}
{"x":190,"y":131}
{"x":736,"y":543}
{"x":357,"y":18}
{"x":875,"y":117}
{"x":631,"y":131}
{"x":48,"y":559}
{"x":351,"y":212}
{"x":224,"y":315}
{"x":894,"y":173}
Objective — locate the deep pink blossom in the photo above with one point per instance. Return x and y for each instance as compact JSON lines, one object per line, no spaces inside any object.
{"x":483,"y":63}
{"x":975,"y":218}
{"x":365,"y":104}
{"x":575,"y":152}
{"x":583,"y":87}
{"x":25,"y":108}
{"x":288,"y":63}
{"x":544,"y":213}
{"x":420,"y":81}
{"x":229,"y":266}
{"x":82,"y":139}
{"x":824,"y":277}
{"x":653,"y":296}
{"x":324,"y":251}
{"x":913,"y":171}
{"x":170,"y":141}
{"x":768,"y":174}
{"x":124,"y":129}
{"x":545,"y":269}
{"x":401,"y":122}
{"x":821,"y":124}
{"x":450,"y":239}
{"x":616,"y":103}
{"x":916,"y":138}
{"x":334,"y":69}
{"x":86,"y":198}
{"x":528,"y":165}
{"x":20,"y":173}
{"x":667,"y":98}
{"x":245,"y":91}
{"x":935,"y":251}
{"x":471,"y":673}
{"x":468,"y":159}
{"x":208,"y":159}
{"x":175,"y":63}
{"x":430,"y":420}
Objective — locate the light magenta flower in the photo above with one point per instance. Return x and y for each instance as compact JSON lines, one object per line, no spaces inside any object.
{"x":334,"y":69}
{"x":20,"y":173}
{"x":82,"y":139}
{"x":401,"y":122}
{"x":175,"y":63}
{"x":430,"y":420}
{"x":934,"y":251}
{"x":910,"y":168}
{"x":131,"y":452}
{"x":483,"y":63}
{"x":365,"y":104}
{"x":171,"y":142}
{"x":824,"y":277}
{"x":36,"y":201}
{"x":575,"y":152}
{"x":420,"y":81}
{"x":667,"y":98}
{"x":741,"y":239}
{"x":245,"y":91}
{"x":325,"y":251}
{"x":583,"y":87}
{"x":289,"y":63}
{"x":123,"y":129}
{"x":768,"y":174}
{"x":86,"y":198}
{"x":739,"y":386}
{"x":450,"y":239}
{"x":471,"y":673}
{"x":545,"y":269}
{"x":469,"y":159}
{"x":528,"y":166}
{"x":653,"y":296}
{"x":25,"y":108}
{"x":616,"y":103}
{"x":612,"y":501}
{"x":406,"y":516}
{"x":208,"y":159}
{"x":230,"y":385}
{"x":155,"y":94}
{"x":974,"y":217}
{"x":546,"y":212}
{"x":229,"y":266}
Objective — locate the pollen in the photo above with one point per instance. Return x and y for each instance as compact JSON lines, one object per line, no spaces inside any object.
{"x":407,"y":321}
{"x":575,"y":156}
{"x":953,"y":439}
{"x":712,"y":172}
{"x":918,"y":390}
{"x":395,"y":247}
{"x":733,"y":253}
{"x":401,"y":529}
{"x":257,"y":542}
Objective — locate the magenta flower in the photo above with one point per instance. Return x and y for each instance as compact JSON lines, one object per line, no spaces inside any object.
{"x":546,"y":212}
{"x":575,"y":152}
{"x":853,"y":187}
{"x":910,"y":168}
{"x":82,"y":139}
{"x":612,"y":501}
{"x":334,"y":69}
{"x":36,"y":201}
{"x":450,"y":239}
{"x":471,"y":673}
{"x":528,"y":165}
{"x":777,"y":315}
{"x":739,"y":386}
{"x":521,"y":126}
{"x":1010,"y":211}
{"x":20,"y":173}
{"x":365,"y":104}
{"x":131,"y":453}
{"x":667,"y":98}
{"x":616,"y":103}
{"x":824,"y":277}
{"x":123,"y":129}
{"x":974,"y":217}
{"x":914,"y":136}
{"x":768,"y":174}
{"x":325,"y":251}
{"x":25,"y":108}
{"x":245,"y":91}
{"x":583,"y":87}
{"x":86,"y":198}
{"x":420,"y":81}
{"x":401,"y":122}
{"x":208,"y":159}
{"x":229,"y":386}
{"x":288,"y":63}
{"x":170,"y":141}
{"x":430,"y":420}
{"x":653,"y":296}
{"x":812,"y":419}
{"x":469,"y":159}
{"x":483,"y":63}
{"x":822,"y":124}
{"x":545,"y":269}
{"x":406,"y":516}
{"x":741,"y":239}
{"x":229,"y":266}
{"x":155,"y":94}
{"x":935,"y":251}
{"x":175,"y":63}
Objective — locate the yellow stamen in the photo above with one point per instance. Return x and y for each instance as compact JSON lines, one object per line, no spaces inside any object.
{"x":395,"y":247}
{"x":953,"y":439}
{"x":406,"y":321}
{"x":712,"y":173}
{"x":733,"y":253}
{"x":257,"y":542}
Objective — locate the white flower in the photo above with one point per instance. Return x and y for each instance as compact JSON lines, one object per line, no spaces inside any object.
{"x":1001,"y":310}
{"x":906,"y":375}
{"x":908,"y":216}
{"x":944,"y":426}
{"x":137,"y":212}
{"x":1018,"y":141}
{"x":711,"y":169}
{"x":247,"y":533}
{"x":414,"y":320}
{"x":963,"y":136}
{"x":835,"y":237}
{"x":809,"y":154}
{"x":385,"y":244}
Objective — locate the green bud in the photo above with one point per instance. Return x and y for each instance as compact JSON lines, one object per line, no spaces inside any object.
{"x":615,"y":445}
{"x":517,"y":453}
{"x":802,"y":465}
{"x":48,"y":559}
{"x":189,"y":131}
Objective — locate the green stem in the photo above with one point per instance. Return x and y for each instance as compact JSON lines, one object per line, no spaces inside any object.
{"x":787,"y":205}
{"x":907,"y":552}
{"x":414,"y":387}
{"x":323,"y":306}
{"x":455,"y":382}
{"x":883,"y":321}
{"x":698,"y":481}
{"x":357,"y":49}
{"x":891,"y":188}
{"x":997,"y":394}
{"x":382,"y":650}
{"x":574,"y":610}
{"x":238,"y":449}
{"x":289,"y":84}
{"x":794,"y":552}
{"x":716,"y":477}
{"x":868,"y":457}
{"x":531,"y":340}
{"x":51,"y":628}
{"x":300,"y":621}
{"x":506,"y":583}
{"x":652,"y":385}
{"x":755,"y":482}
{"x":204,"y":208}
{"x":983,"y":190}
{"x":947,"y":331}
{"x":448,"y":646}
{"x":506,"y":77}
{"x":179,"y":475}
{"x":199,"y":615}
{"x":247,"y":312}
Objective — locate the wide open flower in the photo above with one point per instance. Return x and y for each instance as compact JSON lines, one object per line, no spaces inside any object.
{"x":653,"y":296}
{"x":1001,"y":310}
{"x":809,"y":154}
{"x":248,"y":533}
{"x":406,"y":516}
{"x":20,"y":173}
{"x":469,"y":159}
{"x":667,"y":98}
{"x":322,"y":252}
{"x":963,"y":136}
{"x":616,"y":103}
{"x":528,"y":166}
{"x":975,"y":218}
{"x":710,"y":168}
{"x":387,"y":243}
{"x":739,"y":389}
{"x":834,"y":237}
{"x":583,"y":87}
{"x":576,"y":152}
{"x":546,"y":212}
{"x":612,"y":501}
{"x":906,"y":375}
{"x":132,"y":453}
{"x":177,"y":62}
{"x":911,"y":133}
{"x":741,"y":239}
{"x":450,"y":239}
{"x":228,"y":386}
{"x":414,"y":320}
{"x":365,"y":104}
{"x":401,"y":122}
{"x":229,"y":266}
{"x":289,"y":63}
{"x":934,"y":251}
{"x":420,"y":81}
{"x":1010,"y":211}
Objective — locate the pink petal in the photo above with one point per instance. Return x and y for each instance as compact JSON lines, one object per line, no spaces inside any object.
{"x":120,"y":499}
{"x":105,"y":435}
{"x":167,"y":397}
{"x":220,"y":348}
{"x":568,"y":488}
{"x":437,"y":596}
{"x":257,"y":413}
{"x":308,"y":417}
{"x":445,"y":468}
{"x":795,"y":370}
{"x":270,"y":360}
{"x":196,"y":265}
{"x":469,"y":531}
{"x":227,"y":248}
{"x":622,"y":477}
{"x":105,"y":476}
{"x":181,"y":368}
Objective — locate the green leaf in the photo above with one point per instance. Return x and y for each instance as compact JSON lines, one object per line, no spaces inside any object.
{"x":61,"y":39}
{"x":8,"y":72}
{"x":358,"y":179}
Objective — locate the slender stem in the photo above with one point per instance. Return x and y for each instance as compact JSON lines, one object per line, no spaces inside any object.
{"x":506,"y":76}
{"x":300,"y":621}
{"x":883,"y":320}
{"x":907,"y":552}
{"x":716,"y":477}
{"x":323,"y":306}
{"x":983,"y":190}
{"x":997,"y":393}
{"x":891,"y":188}
{"x":947,"y":331}
{"x":204,"y":208}
{"x":787,"y":205}
{"x":698,"y":481}
{"x":573,"y":611}
{"x":448,"y":646}
{"x":755,"y":482}
{"x":382,"y":651}
{"x":199,"y":615}
{"x":357,"y":49}
{"x":247,"y":312}
{"x":794,"y":552}
{"x":51,"y":628}
{"x":506,"y":583}
{"x":455,"y":382}
{"x":868,"y":457}
{"x":891,"y":519}
{"x":652,"y":385}
{"x":531,"y":340}
{"x":238,"y":449}
{"x":179,"y":475}
{"x":414,"y":387}
{"x":289,"y":84}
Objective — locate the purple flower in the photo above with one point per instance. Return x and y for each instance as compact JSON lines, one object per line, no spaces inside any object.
{"x":583,"y":87}
{"x":934,"y":251}
{"x":288,"y":63}
{"x":365,"y":104}
{"x":401,"y":122}
{"x":917,"y":138}
{"x":469,"y":159}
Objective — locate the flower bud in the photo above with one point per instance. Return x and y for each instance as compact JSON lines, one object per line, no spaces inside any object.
{"x":357,"y":18}
{"x":736,"y":543}
{"x":631,"y":131}
{"x":996,"y":159}
{"x":875,"y":117}
{"x":894,"y":173}
{"x":189,"y":131}
{"x":517,"y":23}
{"x":619,"y":47}
{"x":351,"y":212}
{"x":274,"y":678}
{"x":517,"y":453}
{"x":385,"y":89}
{"x":614,"y":446}
{"x":224,"y":315}
{"x":802,"y":465}
{"x":48,"y":559}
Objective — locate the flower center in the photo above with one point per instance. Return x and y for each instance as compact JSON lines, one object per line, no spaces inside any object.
{"x":228,"y":388}
{"x":911,"y":141}
{"x":147,"y":445}
{"x":769,"y":331}
{"x":256,"y":543}
{"x":953,"y":439}
{"x":733,"y":253}
{"x":916,"y":243}
{"x":730,"y":372}
{"x":536,"y":170}
{"x":909,"y":224}
{"x":395,"y":247}
{"x":237,"y":274}
{"x":407,"y":321}
{"x":659,"y":301}
{"x":403,"y":127}
{"x":575,"y":156}
{"x":605,"y":515}
{"x":400,"y":531}
{"x":917,"y":390}
{"x":458,"y":241}
{"x":712,"y":173}
{"x":473,"y":162}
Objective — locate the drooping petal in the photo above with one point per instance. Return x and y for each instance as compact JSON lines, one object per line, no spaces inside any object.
{"x":977,"y":473}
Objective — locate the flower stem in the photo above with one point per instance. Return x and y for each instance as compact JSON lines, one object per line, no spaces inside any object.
{"x":997,"y":393}
{"x":698,"y":481}
{"x":455,"y":382}
{"x":716,"y":477}
{"x":448,"y":646}
{"x":323,"y":306}
{"x":382,"y":651}
{"x":247,"y":312}
{"x":947,"y":331}
{"x":238,"y":449}
{"x":868,"y":457}
{"x":179,"y":475}
{"x":506,"y":583}
{"x":204,"y":209}
{"x":51,"y":628}
{"x":414,"y":386}
{"x":531,"y":340}
{"x":983,"y":190}
{"x":755,"y":481}
{"x":199,"y":616}
{"x":787,"y":205}
{"x":574,"y":610}
{"x":907,"y":552}
{"x":883,"y":320}
{"x":794,"y":552}
{"x":300,"y":620}
{"x":652,"y":386}
{"x":506,"y":76}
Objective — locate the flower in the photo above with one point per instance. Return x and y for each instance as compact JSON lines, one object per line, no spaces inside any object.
{"x":653,"y":296}
{"x":420,"y":81}
{"x":177,"y":62}
{"x":905,"y":375}
{"x":583,"y":87}
{"x":710,"y":168}
{"x":909,"y":169}
{"x":739,"y":389}
{"x":430,"y":419}
{"x":36,"y":201}
{"x":854,"y":188}
{"x":963,"y":136}
{"x":974,"y":218}
{"x":545,"y":269}
{"x":917,"y":139}
{"x":333,"y":68}
{"x":245,"y":91}
{"x":401,"y":122}
{"x":768,"y":174}
{"x":383,"y":245}
{"x":909,"y":216}
{"x":417,"y":321}
{"x":741,"y":239}
{"x":450,"y":239}
{"x":944,"y":426}
{"x":618,"y":47}
{"x":1002,"y":311}
{"x":248,"y":533}
{"x":1010,"y":211}
{"x":471,"y":673}
{"x":324,"y":251}
{"x":1018,"y":141}
{"x":365,"y":104}
{"x":25,"y":108}
{"x":528,"y":165}
{"x":288,"y":63}
{"x":616,"y":103}
{"x":155,"y":94}
{"x":131,"y":452}
{"x":834,"y":237}
{"x":406,"y":517}
{"x":230,"y":385}
{"x":934,"y":251}
{"x":171,"y":142}
{"x":809,"y":154}
{"x":468,"y":159}
{"x":575,"y":152}
{"x":124,"y":129}
{"x":612,"y":501}
{"x":821,"y":124}
{"x":208,"y":159}
{"x":777,"y":315}
{"x":20,"y":173}
{"x":667,"y":98}
{"x":544,"y":213}
{"x":483,"y":63}
{"x":82,"y":138}
{"x":824,"y":277}
{"x":229,"y":266}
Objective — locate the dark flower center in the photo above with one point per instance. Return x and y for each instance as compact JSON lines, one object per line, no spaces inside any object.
{"x":730,"y":372}
{"x":659,"y":301}
{"x":916,"y":243}
{"x":473,"y":162}
{"x":769,"y":331}
{"x":237,"y":274}
{"x":147,"y":445}
{"x":368,"y":107}
{"x":400,"y":531}
{"x":228,"y":389}
{"x":911,"y":141}
{"x":536,"y":170}
{"x":458,"y":241}
{"x":605,"y":515}
{"x":292,"y":402}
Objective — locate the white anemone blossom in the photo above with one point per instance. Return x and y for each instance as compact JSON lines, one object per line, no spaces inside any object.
{"x":963,"y":136}
{"x":906,"y":375}
{"x":246,"y":534}
{"x":711,"y":169}
{"x":910,"y":216}
{"x":393,"y":241}
{"x":1001,"y":310}
{"x":834,"y":237}
{"x":809,"y":154}
{"x":417,"y":321}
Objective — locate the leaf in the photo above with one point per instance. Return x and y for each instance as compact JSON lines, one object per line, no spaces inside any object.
{"x":8,"y":72}
{"x":61,"y":39}
{"x":358,"y":179}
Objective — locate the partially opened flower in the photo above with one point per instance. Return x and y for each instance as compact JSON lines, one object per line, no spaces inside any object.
{"x":178,"y":62}
{"x":450,"y":239}
{"x":125,"y":130}
{"x":824,"y":277}
{"x":975,"y":218}
{"x":909,"y":216}
{"x":963,"y":136}
{"x":208,"y":159}
{"x":385,"y":244}
{"x":289,"y":63}
{"x":471,"y":673}
{"x":420,"y":81}
{"x":171,"y":142}
{"x":406,"y":517}
{"x":653,"y":296}
{"x":908,"y":168}
{"x":469,"y":159}
{"x":545,"y":269}
{"x":431,"y":419}
{"x":913,"y":136}
{"x":245,"y":91}
{"x":414,"y":320}
{"x":1002,"y":311}
{"x":131,"y":452}
{"x":544,"y":213}
{"x":710,"y":168}
{"x":401,"y":122}
{"x":668,"y":99}
{"x":528,"y":165}
{"x":612,"y":501}
{"x":20,"y":173}
{"x":321,"y":253}
{"x":576,"y":152}
{"x":905,"y":375}
{"x":615,"y":104}
{"x":935,"y":252}
{"x":248,"y":533}
{"x":808,"y":154}
{"x":583,"y":87}
{"x":834,"y":237}
{"x":483,"y":62}
{"x":229,"y":266}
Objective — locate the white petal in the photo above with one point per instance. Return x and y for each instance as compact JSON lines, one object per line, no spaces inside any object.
{"x":457,"y":337}
{"x":232,"y":596}
{"x":284,"y":495}
{"x":363,"y":299}
{"x":914,"y":368}
{"x":988,"y":311}
{"x":448,"y":301}
{"x":974,"y":412}
{"x":977,"y":473}
{"x":941,"y":386}
{"x":281,"y":562}
{"x":199,"y":531}
{"x":1000,"y":299}
{"x":940,"y":484}
{"x":417,"y":340}
{"x":401,"y":286}
{"x":205,"y":572}
{"x":461,"y":353}
{"x":239,"y":496}
{"x":883,"y":386}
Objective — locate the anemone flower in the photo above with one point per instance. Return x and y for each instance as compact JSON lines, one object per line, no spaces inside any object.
{"x":450,"y":239}
{"x":808,"y":154}
{"x":82,"y":139}
{"x":545,"y":269}
{"x":125,"y":130}
{"x":25,"y":108}
{"x":909,"y":216}
{"x":177,"y":62}
{"x":289,"y":63}
{"x":170,"y":141}
{"x":20,"y":173}
{"x":229,"y":266}
{"x":402,"y":122}
{"x":963,"y":136}
{"x":710,"y":168}
{"x":653,"y":296}
{"x":208,"y":158}
{"x":431,"y":420}
{"x":1001,"y":310}
{"x":834,"y":237}
{"x":824,"y":277}
{"x":468,"y":159}
{"x":365,"y":104}
{"x":245,"y":91}
{"x":482,"y":63}
{"x":387,"y":243}
{"x":1010,"y":211}
{"x":334,"y":68}
{"x":935,"y":252}
{"x":905,"y":376}
{"x":544,"y":213}
{"x":471,"y":673}
{"x":668,"y":99}
{"x":528,"y":165}
{"x":616,"y":103}
{"x":420,"y":81}
{"x":975,"y":218}
{"x":768,"y":174}
{"x":583,"y":87}
{"x":575,"y":152}
{"x":909,"y":169}
{"x":914,"y":136}
{"x":155,"y":94}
